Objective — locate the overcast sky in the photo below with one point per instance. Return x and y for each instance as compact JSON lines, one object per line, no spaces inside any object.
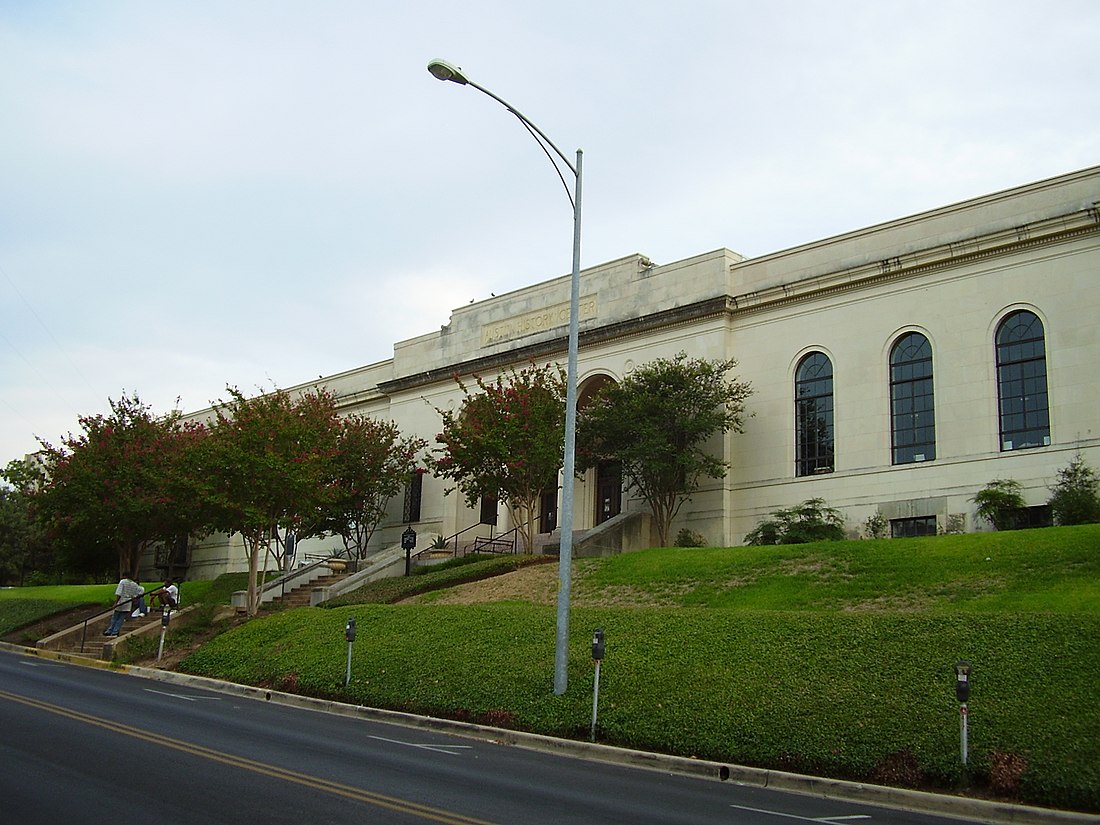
{"x":198,"y":194}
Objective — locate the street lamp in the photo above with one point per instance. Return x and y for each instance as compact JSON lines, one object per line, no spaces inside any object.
{"x":445,"y":71}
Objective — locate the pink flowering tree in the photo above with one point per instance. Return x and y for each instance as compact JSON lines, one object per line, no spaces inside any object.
{"x":506,"y":441}
{"x":371,"y":463}
{"x":268,"y":468}
{"x":122,"y":484}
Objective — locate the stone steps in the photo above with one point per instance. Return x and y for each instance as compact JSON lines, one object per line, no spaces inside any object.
{"x":299,"y":596}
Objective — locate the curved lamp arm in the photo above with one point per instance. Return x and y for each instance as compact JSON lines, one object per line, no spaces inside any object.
{"x":442,"y":70}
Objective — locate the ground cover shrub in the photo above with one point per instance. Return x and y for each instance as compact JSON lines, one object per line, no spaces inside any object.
{"x":835,"y":694}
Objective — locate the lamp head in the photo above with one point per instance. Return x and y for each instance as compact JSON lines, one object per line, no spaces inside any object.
{"x":442,"y":70}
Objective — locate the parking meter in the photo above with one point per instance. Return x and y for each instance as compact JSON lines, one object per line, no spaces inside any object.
{"x":962,"y":691}
{"x":597,"y":658}
{"x":408,"y":544}
{"x":165,"y":617}
{"x":349,"y":630}
{"x":597,"y":644}
{"x":962,"y":681}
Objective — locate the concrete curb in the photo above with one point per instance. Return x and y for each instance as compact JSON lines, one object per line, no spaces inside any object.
{"x":977,"y":810}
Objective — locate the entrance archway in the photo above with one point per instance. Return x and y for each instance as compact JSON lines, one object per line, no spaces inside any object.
{"x":607,"y":501}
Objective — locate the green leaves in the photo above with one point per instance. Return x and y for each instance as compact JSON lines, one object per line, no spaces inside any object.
{"x":123,"y":483}
{"x":506,"y":441}
{"x":657,"y":423}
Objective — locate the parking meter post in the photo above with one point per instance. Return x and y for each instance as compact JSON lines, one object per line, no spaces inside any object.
{"x":597,"y":657}
{"x":164,"y":619}
{"x":349,"y":634}
{"x":962,"y":693}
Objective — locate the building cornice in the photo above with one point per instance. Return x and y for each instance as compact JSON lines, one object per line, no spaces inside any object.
{"x":1079,"y":223}
{"x":1061,"y":228}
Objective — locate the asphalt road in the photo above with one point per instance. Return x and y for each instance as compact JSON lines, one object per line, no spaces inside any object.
{"x":87,"y":745}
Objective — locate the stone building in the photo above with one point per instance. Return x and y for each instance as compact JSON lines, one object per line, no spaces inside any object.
{"x":895,"y":369}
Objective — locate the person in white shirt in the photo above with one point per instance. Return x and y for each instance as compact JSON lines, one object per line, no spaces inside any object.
{"x":128,"y":596}
{"x":169,"y":596}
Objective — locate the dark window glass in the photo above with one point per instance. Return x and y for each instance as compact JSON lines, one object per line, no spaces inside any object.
{"x":1037,"y":516}
{"x":912,"y":411}
{"x":901,"y":528}
{"x":1022,"y":382}
{"x":414,"y":491}
{"x":813,"y":415}
{"x":488,"y":510}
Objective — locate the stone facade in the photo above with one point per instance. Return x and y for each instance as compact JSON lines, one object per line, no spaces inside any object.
{"x":952,"y":275}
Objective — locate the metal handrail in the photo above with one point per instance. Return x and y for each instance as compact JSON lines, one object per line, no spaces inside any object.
{"x":502,"y":540}
{"x":111,"y":609}
{"x":455,"y":539}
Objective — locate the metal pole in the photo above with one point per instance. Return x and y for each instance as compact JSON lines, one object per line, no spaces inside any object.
{"x":447,"y":72}
{"x":565,"y":549}
{"x":595,"y":701}
{"x":964,"y":714}
{"x":167,"y":617}
{"x":347,"y":676}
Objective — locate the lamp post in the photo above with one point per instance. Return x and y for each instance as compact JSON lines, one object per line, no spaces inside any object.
{"x":445,"y":71}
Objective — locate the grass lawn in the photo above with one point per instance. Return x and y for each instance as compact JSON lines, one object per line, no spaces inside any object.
{"x":832,"y":658}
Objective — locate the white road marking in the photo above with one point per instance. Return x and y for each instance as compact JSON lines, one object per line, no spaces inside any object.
{"x":182,"y":696}
{"x":827,"y":820}
{"x":448,"y":749}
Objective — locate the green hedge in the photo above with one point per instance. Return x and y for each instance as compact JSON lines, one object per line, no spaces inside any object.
{"x":845,"y":695}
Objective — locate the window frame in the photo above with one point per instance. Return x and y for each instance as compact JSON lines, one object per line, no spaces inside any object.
{"x":912,"y":430}
{"x":1023,"y":396}
{"x":814,"y":401}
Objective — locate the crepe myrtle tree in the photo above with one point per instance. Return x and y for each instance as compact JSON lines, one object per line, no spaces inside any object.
{"x":506,"y":441}
{"x":656,"y":422}
{"x":370,"y":464}
{"x":268,"y":467}
{"x":125,"y":482}
{"x":24,"y":547}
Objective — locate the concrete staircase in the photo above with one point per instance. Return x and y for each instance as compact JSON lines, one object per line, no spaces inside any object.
{"x":89,"y":641}
{"x":300,"y":596}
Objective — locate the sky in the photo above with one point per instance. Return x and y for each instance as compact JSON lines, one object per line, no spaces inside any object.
{"x":197,"y":194}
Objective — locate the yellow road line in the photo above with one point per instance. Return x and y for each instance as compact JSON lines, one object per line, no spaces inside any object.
{"x":316,"y":783}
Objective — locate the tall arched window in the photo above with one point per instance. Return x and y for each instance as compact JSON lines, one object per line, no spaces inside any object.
{"x":912,"y":408}
{"x":813,"y":414}
{"x":1022,"y":382}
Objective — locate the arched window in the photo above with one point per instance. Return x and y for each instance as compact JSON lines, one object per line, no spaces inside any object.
{"x":813,"y":414}
{"x":1022,"y":382}
{"x":912,"y":408}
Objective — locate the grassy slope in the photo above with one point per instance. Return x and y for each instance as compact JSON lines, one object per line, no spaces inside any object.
{"x":20,"y":606}
{"x":825,"y":658}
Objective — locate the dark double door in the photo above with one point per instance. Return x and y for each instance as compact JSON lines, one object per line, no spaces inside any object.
{"x":609,"y":497}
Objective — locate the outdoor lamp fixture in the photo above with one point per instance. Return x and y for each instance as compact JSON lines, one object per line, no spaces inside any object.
{"x":445,"y":71}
